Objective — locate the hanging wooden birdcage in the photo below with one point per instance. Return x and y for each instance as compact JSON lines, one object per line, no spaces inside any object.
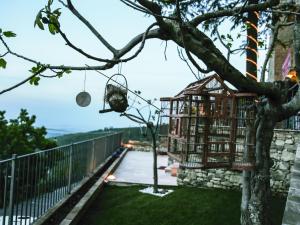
{"x":115,"y":94}
{"x":207,"y":126}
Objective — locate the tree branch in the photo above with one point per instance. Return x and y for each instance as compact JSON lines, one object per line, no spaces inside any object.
{"x":271,"y":48}
{"x":16,"y":54}
{"x":231,"y":12}
{"x":283,"y":12}
{"x":181,"y":56}
{"x":141,"y":38}
{"x":181,"y":27}
{"x":291,"y":108}
{"x":203,"y":47}
{"x":133,"y":118}
{"x":91,"y":28}
{"x":136,"y":6}
{"x":149,"y":34}
{"x":23,"y":81}
{"x":4,"y":54}
{"x":155,"y":9}
{"x":69,"y":43}
{"x":144,"y":10}
{"x":118,"y":55}
{"x":223,"y":43}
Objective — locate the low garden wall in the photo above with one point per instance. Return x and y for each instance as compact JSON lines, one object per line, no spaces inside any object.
{"x":283,"y":150}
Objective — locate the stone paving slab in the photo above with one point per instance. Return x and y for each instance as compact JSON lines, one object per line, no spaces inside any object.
{"x":137,"y":168}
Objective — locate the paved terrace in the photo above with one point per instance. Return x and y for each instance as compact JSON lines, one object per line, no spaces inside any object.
{"x":137,"y":167}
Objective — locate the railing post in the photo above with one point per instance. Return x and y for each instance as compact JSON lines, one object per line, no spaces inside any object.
{"x":120,"y":139}
{"x":105,"y":147}
{"x":12,"y":190}
{"x":70,"y":169}
{"x":93,"y":156}
{"x":111,"y":144}
{"x":5,"y":197}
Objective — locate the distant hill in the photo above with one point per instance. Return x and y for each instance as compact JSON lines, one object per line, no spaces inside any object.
{"x":129,"y":133}
{"x":51,"y":133}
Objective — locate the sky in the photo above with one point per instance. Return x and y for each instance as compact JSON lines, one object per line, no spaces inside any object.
{"x":53,"y":101}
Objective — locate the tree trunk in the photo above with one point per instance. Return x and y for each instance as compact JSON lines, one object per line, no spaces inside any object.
{"x":257,"y":208}
{"x":246,"y":176}
{"x":155,"y":176}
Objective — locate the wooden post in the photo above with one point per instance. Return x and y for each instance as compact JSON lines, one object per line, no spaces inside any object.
{"x":170,"y":125}
{"x":196,"y":126}
{"x":188,"y":138}
{"x":233,"y":129}
{"x":206,"y":129}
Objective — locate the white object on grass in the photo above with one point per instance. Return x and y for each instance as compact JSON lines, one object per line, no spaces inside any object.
{"x":161,"y":192}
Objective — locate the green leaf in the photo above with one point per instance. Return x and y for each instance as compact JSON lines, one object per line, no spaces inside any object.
{"x":260,"y":44}
{"x":9,"y":34}
{"x":36,"y":68}
{"x":37,"y":18}
{"x":60,"y":74}
{"x":2,"y":63}
{"x":54,"y":20}
{"x":40,"y":24}
{"x":0,"y":30}
{"x":50,"y":3}
{"x":52,"y":28}
{"x":34,"y":80}
{"x":68,"y":71}
{"x":57,"y":12}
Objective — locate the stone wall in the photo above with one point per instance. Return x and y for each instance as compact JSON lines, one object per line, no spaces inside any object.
{"x":283,"y":150}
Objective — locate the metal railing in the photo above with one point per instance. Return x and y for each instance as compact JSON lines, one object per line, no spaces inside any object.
{"x":33,"y":183}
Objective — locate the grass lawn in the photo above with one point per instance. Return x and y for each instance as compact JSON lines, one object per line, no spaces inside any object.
{"x":185,"y":206}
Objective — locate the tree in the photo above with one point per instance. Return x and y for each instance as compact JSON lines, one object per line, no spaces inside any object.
{"x":153,"y":130}
{"x":117,"y":99}
{"x":19,"y":136}
{"x":193,"y":26}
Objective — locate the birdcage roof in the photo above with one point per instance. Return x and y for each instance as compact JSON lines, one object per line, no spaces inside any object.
{"x":210,"y":84}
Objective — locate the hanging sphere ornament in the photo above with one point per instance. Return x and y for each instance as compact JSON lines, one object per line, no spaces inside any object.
{"x":83,"y":99}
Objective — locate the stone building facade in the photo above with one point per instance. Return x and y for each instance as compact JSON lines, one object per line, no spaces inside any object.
{"x":283,"y":150}
{"x":283,"y":47}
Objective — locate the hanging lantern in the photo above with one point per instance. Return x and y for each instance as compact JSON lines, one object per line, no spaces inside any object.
{"x":292,"y":75}
{"x":116,"y":98}
{"x":116,"y":95}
